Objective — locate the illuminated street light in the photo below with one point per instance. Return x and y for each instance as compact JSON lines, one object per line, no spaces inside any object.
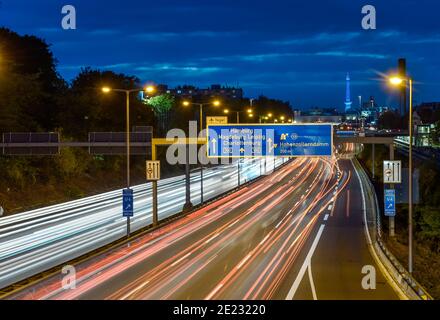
{"x":397,"y":82}
{"x":226,"y":111}
{"x":269,"y":115}
{"x":216,"y":103}
{"x":148,"y":89}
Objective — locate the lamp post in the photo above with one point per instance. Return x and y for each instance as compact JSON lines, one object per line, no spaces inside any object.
{"x":148,"y":89}
{"x":200,"y":105}
{"x":398,"y":81}
{"x":249,"y":112}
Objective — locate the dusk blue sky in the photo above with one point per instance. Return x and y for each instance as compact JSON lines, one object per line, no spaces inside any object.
{"x":293,"y":50}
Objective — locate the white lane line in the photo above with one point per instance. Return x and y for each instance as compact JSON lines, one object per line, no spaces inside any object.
{"x":326,"y":217}
{"x":312,"y":284}
{"x":135,"y":290}
{"x":330,"y":207}
{"x":307,"y":261}
{"x":213,"y":292}
{"x":181,"y":259}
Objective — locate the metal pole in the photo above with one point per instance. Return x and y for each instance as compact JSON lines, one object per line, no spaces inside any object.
{"x":392,"y":219}
{"x":188,"y":205}
{"x":374,"y":162}
{"x":128,"y":150}
{"x":201,"y":164}
{"x":238,"y":173}
{"x":154,"y":190}
{"x":410,"y":194}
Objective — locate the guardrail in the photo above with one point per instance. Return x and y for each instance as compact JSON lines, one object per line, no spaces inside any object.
{"x":410,"y":287}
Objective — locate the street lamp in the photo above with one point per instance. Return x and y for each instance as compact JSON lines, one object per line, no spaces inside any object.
{"x":216,"y":103}
{"x":249,"y":112}
{"x":398,"y":81}
{"x":187,"y":104}
{"x":148,"y":89}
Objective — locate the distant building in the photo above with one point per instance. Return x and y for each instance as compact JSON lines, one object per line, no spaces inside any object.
{"x":215,"y":90}
{"x":316,"y":115}
{"x":348,"y":102}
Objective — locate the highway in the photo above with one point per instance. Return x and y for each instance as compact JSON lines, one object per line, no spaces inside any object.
{"x":34,"y":241}
{"x":296,"y":234}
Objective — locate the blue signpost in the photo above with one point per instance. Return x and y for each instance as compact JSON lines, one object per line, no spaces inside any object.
{"x":390,"y":202}
{"x":127,"y":203}
{"x":257,"y":140}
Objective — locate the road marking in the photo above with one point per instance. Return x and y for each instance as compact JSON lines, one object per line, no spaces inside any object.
{"x":181,"y":259}
{"x":307,"y":261}
{"x":312,"y":284}
{"x":209,"y":297}
{"x":385,"y":273}
{"x":326,"y":217}
{"x":330,"y":207}
{"x":135,"y":290}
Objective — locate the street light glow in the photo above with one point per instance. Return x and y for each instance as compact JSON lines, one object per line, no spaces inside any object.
{"x":216,"y":103}
{"x":226,"y":111}
{"x":106,"y":89}
{"x":186,"y":103}
{"x":270,"y":115}
{"x":396,"y":81}
{"x":150,"y":89}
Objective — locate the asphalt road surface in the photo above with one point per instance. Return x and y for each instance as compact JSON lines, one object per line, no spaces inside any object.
{"x":37,"y":240}
{"x":296,"y":234}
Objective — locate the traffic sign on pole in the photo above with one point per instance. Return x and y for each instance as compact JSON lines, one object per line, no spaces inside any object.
{"x":127,"y":203}
{"x":153,"y":170}
{"x":259,"y":140}
{"x":216,"y":120}
{"x":390,"y":202}
{"x":392,"y":172}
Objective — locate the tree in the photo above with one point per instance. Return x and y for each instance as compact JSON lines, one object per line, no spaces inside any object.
{"x":30,"y":57}
{"x":161,"y":106}
{"x":87,"y":109}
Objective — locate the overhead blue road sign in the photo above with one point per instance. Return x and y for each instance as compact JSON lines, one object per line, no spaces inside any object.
{"x":259,"y":140}
{"x":127,"y":203}
{"x":390,"y":202}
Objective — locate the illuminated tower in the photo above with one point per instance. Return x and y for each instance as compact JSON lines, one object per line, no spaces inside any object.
{"x":347,"y":94}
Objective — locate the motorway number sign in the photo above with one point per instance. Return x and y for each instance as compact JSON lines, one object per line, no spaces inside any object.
{"x":127,"y":203}
{"x":153,"y":170}
{"x":392,"y":172}
{"x":262,"y":140}
{"x":390,"y":202}
{"x":216,"y":120}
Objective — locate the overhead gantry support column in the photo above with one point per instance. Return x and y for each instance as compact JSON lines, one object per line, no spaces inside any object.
{"x":392,"y":219}
{"x":167,"y":142}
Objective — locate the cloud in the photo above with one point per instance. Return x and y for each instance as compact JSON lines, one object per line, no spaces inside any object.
{"x":165,"y":36}
{"x":101,"y":67}
{"x":104,"y":32}
{"x":351,"y":54}
{"x":317,"y":38}
{"x":181,"y":68}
